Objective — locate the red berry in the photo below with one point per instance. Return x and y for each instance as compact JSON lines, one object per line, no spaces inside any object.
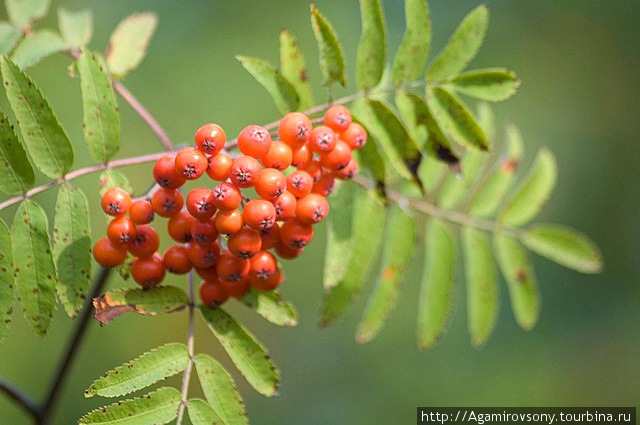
{"x":254,"y":141}
{"x":355,"y":136}
{"x":325,"y":184}
{"x":141,"y":212}
{"x":278,"y":157}
{"x":176,"y":259}
{"x":167,"y":202}
{"x":270,"y":237}
{"x":231,"y":268}
{"x":203,"y":256}
{"x":299,"y":183}
{"x":148,"y":272}
{"x":323,"y":139}
{"x":200,"y":203}
{"x":226,"y":196}
{"x":259,"y":214}
{"x":210,"y":138}
{"x":244,"y":243}
{"x":294,"y":129}
{"x":301,"y":156}
{"x":312,"y":209}
{"x":204,"y":232}
{"x":228,"y":222}
{"x":347,"y":172}
{"x":338,"y":118}
{"x":271,"y":184}
{"x":116,"y":202}
{"x":263,"y":267}
{"x":213,"y":293}
{"x":285,"y":206}
{"x":245,"y":172}
{"x":338,"y":158}
{"x":269,"y":284}
{"x":191,"y":163}
{"x":179,"y":227}
{"x":108,"y":254}
{"x":121,"y":230}
{"x":219,"y":167}
{"x":296,"y":234}
{"x":165,"y":173}
{"x":145,"y":243}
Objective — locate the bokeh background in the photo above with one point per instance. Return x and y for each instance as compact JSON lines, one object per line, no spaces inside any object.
{"x":580,"y":66}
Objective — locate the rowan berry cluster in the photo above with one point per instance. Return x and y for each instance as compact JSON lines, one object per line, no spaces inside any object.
{"x":280,"y":218}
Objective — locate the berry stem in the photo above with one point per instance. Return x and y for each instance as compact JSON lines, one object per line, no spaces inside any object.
{"x":190,"y":342}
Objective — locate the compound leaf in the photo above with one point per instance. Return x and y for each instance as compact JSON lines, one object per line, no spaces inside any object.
{"x":340,"y":242}
{"x":7,"y":281}
{"x":36,"y":46}
{"x":282,"y":92}
{"x":76,"y":27}
{"x":249,"y":356}
{"x":493,"y":85}
{"x":565,"y":246}
{"x":412,"y":54}
{"x":434,"y":301}
{"x":372,"y":48}
{"x":24,"y":12}
{"x":158,"y":407}
{"x":331,"y":56}
{"x":35,"y":272}
{"x":44,"y":137}
{"x":16,"y":172}
{"x":272,"y":307}
{"x":150,"y":302}
{"x":462,"y":46}
{"x":294,"y":68}
{"x":220,"y":391}
{"x":72,"y":248}
{"x":200,"y":413}
{"x":128,"y":43}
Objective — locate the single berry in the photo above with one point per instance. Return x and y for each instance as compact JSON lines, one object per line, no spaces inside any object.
{"x":231,"y":268}
{"x":228,"y":222}
{"x":116,"y":202}
{"x":286,"y":252}
{"x":347,"y":172}
{"x":210,"y":138}
{"x":191,"y":163}
{"x":141,"y":212}
{"x":219,"y":167}
{"x":213,"y":293}
{"x":272,"y":183}
{"x":208,"y":273}
{"x":203,"y":256}
{"x":338,"y":158}
{"x":245,"y":171}
{"x":296,"y":234}
{"x":167,"y":202}
{"x":355,"y":136}
{"x":254,"y":141}
{"x":165,"y":173}
{"x":263,"y":267}
{"x":244,"y":243}
{"x":264,"y":285}
{"x":270,"y":237}
{"x":322,"y":139}
{"x":312,"y":209}
{"x":259,"y":214}
{"x":200,"y":203}
{"x":285,"y":206}
{"x":179,"y":227}
{"x":226,"y":196}
{"x":325,"y":184}
{"x":294,"y":129}
{"x":108,"y":254}
{"x":338,"y":118}
{"x":313,"y":168}
{"x":176,"y":259}
{"x":204,"y":232}
{"x":299,"y":183}
{"x":145,"y":243}
{"x":301,"y":156}
{"x":278,"y":157}
{"x":121,"y":230}
{"x":148,"y":272}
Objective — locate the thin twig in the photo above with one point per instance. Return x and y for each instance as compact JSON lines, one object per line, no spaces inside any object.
{"x":190,"y":340}
{"x":23,"y":399}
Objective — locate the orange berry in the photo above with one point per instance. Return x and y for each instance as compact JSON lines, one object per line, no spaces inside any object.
{"x":245,"y":243}
{"x":228,"y":222}
{"x":145,"y":243}
{"x":325,"y":184}
{"x":179,"y":226}
{"x":254,"y":141}
{"x":279,"y":156}
{"x":299,"y":183}
{"x":323,"y":139}
{"x":203,"y":256}
{"x":231,"y":268}
{"x":176,"y":259}
{"x":313,"y":168}
{"x":226,"y":196}
{"x":267,"y":284}
{"x":200,"y":203}
{"x":121,"y":230}
{"x":285,"y":206}
{"x":294,"y":129}
{"x":204,"y":232}
{"x":245,"y":171}
{"x":141,"y":211}
{"x":301,"y":156}
{"x":213,"y":293}
{"x":259,"y":214}
{"x":116,"y":202}
{"x":312,"y":209}
{"x":167,"y":202}
{"x":165,"y":173}
{"x":347,"y":172}
{"x":263,"y":267}
{"x":338,"y":118}
{"x":296,"y":234}
{"x":108,"y":254}
{"x":191,"y":163}
{"x":219,"y":167}
{"x":148,"y":272}
{"x":338,"y":158}
{"x":271,"y":184}
{"x":355,"y":136}
{"x":210,"y":138}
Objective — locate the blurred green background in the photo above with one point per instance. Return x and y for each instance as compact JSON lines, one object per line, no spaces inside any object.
{"x":580,"y":66}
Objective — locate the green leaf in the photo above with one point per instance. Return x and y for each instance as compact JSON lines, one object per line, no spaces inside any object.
{"x":434,"y":301}
{"x":249,"y":356}
{"x":486,"y":121}
{"x":398,"y":247}
{"x":340,"y":243}
{"x":368,"y":156}
{"x":294,"y":68}
{"x":25,"y":12}
{"x":111,"y":178}
{"x":454,"y":117}
{"x":482,"y":288}
{"x":493,"y":84}
{"x":158,"y":407}
{"x":101,"y":122}
{"x":150,"y":302}
{"x":373,"y":45}
{"x":44,"y":137}
{"x":368,"y":214}
{"x":35,"y":273}
{"x":147,"y":369}
{"x":414,"y":49}
{"x":565,"y":246}
{"x":424,"y":128}
{"x":220,"y":391}
{"x":16,"y":172}
{"x":456,"y":187}
{"x":9,"y":36}
{"x":36,"y":46}
{"x":463,"y":45}
{"x":200,"y":413}
{"x":517,"y":270}
{"x":272,"y":307}
{"x":331,"y":57}
{"x":128,"y":43}
{"x":532,"y":193}
{"x":282,"y":92}
{"x":7,"y":280}
{"x":430,"y":172}
{"x":72,"y":248}
{"x":76,"y":26}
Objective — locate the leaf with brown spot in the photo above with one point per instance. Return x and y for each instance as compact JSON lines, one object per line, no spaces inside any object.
{"x":149,"y":302}
{"x":7,"y":282}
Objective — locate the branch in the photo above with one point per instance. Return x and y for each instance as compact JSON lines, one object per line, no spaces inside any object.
{"x":190,"y":340}
{"x":20,"y":397}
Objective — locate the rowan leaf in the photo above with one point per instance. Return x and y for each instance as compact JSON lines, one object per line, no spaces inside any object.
{"x":331,"y":56}
{"x":532,"y":192}
{"x":294,"y":68}
{"x":111,"y":178}
{"x":76,"y":27}
{"x":100,"y":118}
{"x":158,"y":407}
{"x":431,"y":171}
{"x":565,"y":246}
{"x":149,"y":302}
{"x":72,"y":248}
{"x":413,"y":51}
{"x":340,"y":243}
{"x":45,"y":139}
{"x":272,"y":307}
{"x":9,"y":36}
{"x":249,"y":356}
{"x":16,"y":172}
{"x":372,"y":48}
{"x":457,"y":187}
{"x":434,"y":301}
{"x":282,"y":92}
{"x":25,"y":12}
{"x":220,"y":391}
{"x":462,"y":46}
{"x":200,"y":413}
{"x":398,"y":247}
{"x":493,"y":84}
{"x":129,"y":42}
{"x":482,"y":287}
{"x":35,"y":273}
{"x":36,"y":46}
{"x":7,"y":281}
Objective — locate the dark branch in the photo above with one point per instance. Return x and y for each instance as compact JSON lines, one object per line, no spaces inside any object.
{"x":20,"y":397}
